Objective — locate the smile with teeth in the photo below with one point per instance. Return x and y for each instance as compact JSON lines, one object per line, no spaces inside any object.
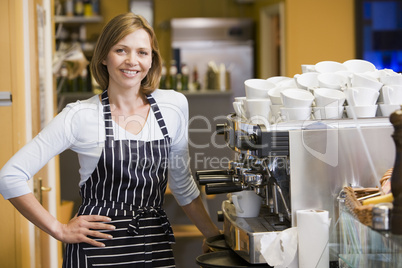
{"x":129,"y":72}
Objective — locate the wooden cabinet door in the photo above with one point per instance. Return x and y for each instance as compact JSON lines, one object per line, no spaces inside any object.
{"x":14,"y":246}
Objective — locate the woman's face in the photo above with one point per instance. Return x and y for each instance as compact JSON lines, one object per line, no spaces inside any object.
{"x":129,"y":60}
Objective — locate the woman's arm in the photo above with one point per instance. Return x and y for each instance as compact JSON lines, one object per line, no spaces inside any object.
{"x":199,"y":216}
{"x":76,"y":231}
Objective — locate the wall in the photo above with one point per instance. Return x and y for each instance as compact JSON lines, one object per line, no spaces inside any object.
{"x":318,"y":30}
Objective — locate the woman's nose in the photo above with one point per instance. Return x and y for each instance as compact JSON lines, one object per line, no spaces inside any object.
{"x":131,"y":59}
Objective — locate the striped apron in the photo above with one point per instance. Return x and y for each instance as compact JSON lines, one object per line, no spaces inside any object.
{"x":128,"y":185}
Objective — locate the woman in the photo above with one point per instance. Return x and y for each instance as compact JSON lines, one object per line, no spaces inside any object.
{"x":127,"y":139}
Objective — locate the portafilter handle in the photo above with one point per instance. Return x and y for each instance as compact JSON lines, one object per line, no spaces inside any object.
{"x":207,"y":179}
{"x":222,"y":188}
{"x":201,"y":173}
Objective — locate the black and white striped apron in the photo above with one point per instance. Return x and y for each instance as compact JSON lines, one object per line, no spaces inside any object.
{"x":128,"y":185}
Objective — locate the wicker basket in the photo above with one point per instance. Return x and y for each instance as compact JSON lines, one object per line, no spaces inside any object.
{"x":362,"y":212}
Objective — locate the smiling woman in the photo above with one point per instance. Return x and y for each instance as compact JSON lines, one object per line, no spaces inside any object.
{"x":129,"y":61}
{"x":125,"y":139}
{"x":105,"y":44}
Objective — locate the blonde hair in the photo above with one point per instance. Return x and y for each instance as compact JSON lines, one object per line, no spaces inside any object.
{"x":115,"y":30}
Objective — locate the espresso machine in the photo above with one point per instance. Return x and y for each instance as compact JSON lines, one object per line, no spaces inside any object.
{"x":292,"y":166}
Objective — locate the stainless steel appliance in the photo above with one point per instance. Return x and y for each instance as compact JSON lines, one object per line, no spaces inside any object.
{"x":293,"y":166}
{"x":229,"y":41}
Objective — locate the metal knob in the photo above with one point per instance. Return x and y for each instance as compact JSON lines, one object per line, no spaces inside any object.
{"x":253,"y":179}
{"x":221,"y":129}
{"x":247,"y":142}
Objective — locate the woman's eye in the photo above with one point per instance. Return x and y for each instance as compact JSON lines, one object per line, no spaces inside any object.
{"x":120,"y":50}
{"x":143,"y":53}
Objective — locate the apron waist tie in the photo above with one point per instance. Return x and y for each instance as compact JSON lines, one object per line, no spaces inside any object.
{"x":134,"y":225}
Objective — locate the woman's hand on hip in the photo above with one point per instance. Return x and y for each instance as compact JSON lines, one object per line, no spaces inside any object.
{"x":81,"y":228}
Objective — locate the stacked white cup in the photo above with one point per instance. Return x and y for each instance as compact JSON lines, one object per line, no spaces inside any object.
{"x":328,"y":103}
{"x":363,"y":95}
{"x":361,"y":102}
{"x":321,"y":91}
{"x":255,"y":106}
{"x":297,"y":104}
{"x":390,"y":93}
{"x":392,"y":98}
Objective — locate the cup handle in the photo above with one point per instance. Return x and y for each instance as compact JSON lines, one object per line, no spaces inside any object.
{"x":236,"y":203}
{"x":242,"y":111}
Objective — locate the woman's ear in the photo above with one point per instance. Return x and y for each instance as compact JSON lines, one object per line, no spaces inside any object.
{"x":104,"y":62}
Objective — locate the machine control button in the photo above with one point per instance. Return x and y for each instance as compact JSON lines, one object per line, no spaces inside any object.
{"x":221,"y":129}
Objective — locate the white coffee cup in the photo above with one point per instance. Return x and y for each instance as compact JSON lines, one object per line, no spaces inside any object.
{"x":391,"y":79}
{"x":392,"y":94}
{"x":329,"y":67}
{"x":329,"y":97}
{"x":258,"y":111}
{"x":364,"y":80}
{"x":386,"y":72}
{"x":275,"y":95}
{"x":365,"y":111}
{"x":347,"y":75}
{"x":361,"y":96}
{"x":388,"y":109}
{"x":296,"y":98}
{"x":332,"y":80}
{"x":307,"y":80}
{"x":239,"y":109}
{"x":328,"y":112}
{"x":247,"y":203}
{"x":242,"y":100}
{"x":290,"y":114}
{"x":359,"y":66}
{"x":278,"y":79}
{"x":257,"y":88}
{"x":286,"y":83}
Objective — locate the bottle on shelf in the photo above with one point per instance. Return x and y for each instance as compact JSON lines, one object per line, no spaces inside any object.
{"x":69,"y":8}
{"x":212,"y":79}
{"x":58,"y":8}
{"x":72,"y":84}
{"x":79,"y":8}
{"x":184,"y":77}
{"x":62,"y":81}
{"x":83,"y":81}
{"x":95,"y":7}
{"x":222,"y":77}
{"x":173,"y":75}
{"x":88,"y":8}
{"x":178,"y":81}
{"x":196,"y":85}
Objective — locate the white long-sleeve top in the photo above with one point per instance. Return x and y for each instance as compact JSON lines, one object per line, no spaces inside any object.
{"x":80,"y":127}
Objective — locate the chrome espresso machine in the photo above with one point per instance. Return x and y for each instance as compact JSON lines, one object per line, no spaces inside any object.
{"x":293,"y":166}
